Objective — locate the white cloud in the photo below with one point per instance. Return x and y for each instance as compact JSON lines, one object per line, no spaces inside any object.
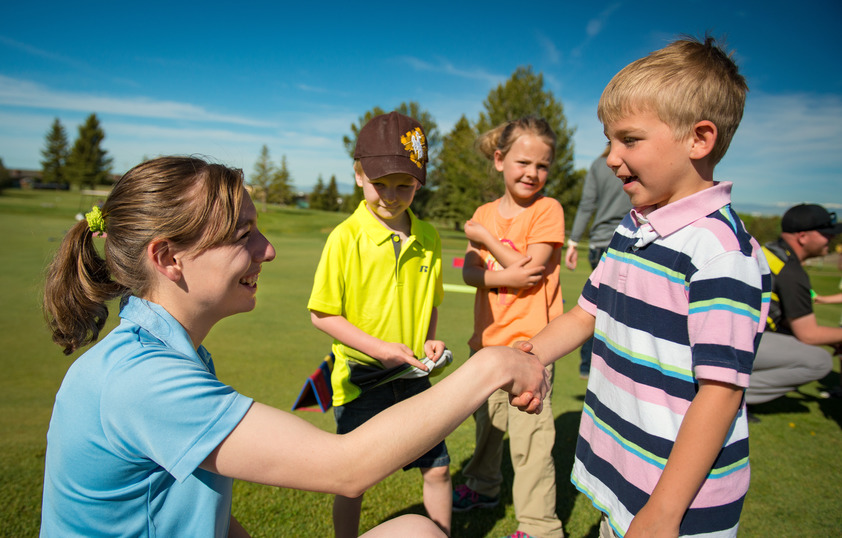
{"x":76,"y":65}
{"x":550,"y":50}
{"x":787,"y":150}
{"x":445,"y":67}
{"x":594,"y":27}
{"x":24,"y":93}
{"x":311,"y":89}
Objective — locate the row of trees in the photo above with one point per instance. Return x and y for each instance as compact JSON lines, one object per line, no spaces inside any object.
{"x":326,"y":197}
{"x":458,"y":176}
{"x":86,"y":163}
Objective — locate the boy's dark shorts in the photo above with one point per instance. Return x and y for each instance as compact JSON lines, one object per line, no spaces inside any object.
{"x":369,"y":403}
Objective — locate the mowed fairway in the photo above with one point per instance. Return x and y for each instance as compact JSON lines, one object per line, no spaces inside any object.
{"x":267,"y":354}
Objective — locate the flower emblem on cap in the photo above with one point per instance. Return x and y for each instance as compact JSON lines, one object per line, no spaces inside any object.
{"x":415,"y":143}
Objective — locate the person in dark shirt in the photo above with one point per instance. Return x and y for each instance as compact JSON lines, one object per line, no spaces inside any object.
{"x":790,"y":352}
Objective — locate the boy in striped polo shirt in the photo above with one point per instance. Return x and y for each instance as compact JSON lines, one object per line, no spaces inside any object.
{"x":676,"y":305}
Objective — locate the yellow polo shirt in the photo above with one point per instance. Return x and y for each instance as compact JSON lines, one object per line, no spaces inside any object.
{"x":387,"y":294}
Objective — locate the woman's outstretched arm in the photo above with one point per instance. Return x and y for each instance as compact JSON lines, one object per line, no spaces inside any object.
{"x":274,"y":447}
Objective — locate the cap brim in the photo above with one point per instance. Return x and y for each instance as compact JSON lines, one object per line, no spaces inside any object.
{"x":833,"y":230}
{"x":379,"y":166}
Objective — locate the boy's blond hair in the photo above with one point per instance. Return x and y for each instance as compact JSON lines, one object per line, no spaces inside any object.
{"x":683,"y":83}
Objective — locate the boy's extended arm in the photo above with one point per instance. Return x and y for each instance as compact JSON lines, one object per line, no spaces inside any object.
{"x":561,"y":335}
{"x":388,"y":353}
{"x":700,"y":438}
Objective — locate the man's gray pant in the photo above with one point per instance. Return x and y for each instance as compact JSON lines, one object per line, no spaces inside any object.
{"x":784,"y":363}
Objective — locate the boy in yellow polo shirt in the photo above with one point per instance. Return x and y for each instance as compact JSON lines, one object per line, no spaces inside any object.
{"x":376,"y":291}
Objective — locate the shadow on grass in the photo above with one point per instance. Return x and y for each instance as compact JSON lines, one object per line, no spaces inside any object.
{"x":831,"y":407}
{"x":478,"y":522}
{"x":796,"y":402}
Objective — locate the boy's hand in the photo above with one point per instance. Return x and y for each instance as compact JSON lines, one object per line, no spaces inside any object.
{"x":526,"y":401}
{"x":521,"y":277}
{"x":648,"y":524}
{"x":394,"y":354}
{"x":531,"y":380}
{"x":433,"y":349}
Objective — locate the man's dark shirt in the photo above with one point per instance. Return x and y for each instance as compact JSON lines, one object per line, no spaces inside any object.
{"x":791,"y":290}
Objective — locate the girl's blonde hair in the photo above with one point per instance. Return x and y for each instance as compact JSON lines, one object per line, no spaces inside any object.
{"x":504,"y":135}
{"x":191,"y":203}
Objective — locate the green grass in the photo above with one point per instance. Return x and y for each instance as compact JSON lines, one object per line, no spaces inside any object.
{"x":266,"y":354}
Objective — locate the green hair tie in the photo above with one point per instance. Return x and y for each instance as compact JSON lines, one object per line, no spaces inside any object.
{"x":96,"y":222}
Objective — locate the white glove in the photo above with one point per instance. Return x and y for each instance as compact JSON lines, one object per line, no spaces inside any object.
{"x":445,"y":359}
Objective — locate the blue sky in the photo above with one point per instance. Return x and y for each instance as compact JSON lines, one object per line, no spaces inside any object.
{"x":223,"y":79}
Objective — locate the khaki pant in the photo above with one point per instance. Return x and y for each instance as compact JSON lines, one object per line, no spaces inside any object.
{"x":531,"y":440}
{"x":605,"y":530}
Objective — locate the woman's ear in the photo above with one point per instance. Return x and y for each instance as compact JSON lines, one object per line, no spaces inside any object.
{"x":163,"y":259}
{"x":704,"y":138}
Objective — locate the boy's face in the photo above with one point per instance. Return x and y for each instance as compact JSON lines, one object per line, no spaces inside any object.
{"x":388,"y":197}
{"x":655,"y":168}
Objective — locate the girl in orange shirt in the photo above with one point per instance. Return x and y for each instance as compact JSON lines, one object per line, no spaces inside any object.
{"x":513,"y":260}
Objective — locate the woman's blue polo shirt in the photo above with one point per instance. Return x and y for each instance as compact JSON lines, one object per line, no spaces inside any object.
{"x":134,"y":418}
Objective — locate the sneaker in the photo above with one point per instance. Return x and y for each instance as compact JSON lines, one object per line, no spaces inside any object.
{"x":520,"y":534}
{"x":464,"y":498}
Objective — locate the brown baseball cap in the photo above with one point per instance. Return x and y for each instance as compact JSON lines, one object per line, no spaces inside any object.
{"x":392,"y":144}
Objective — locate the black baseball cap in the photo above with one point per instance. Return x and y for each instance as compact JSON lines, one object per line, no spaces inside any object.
{"x":807,"y":217}
{"x":391,"y":144}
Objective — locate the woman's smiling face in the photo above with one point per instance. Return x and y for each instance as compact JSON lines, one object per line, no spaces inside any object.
{"x":222,"y":280}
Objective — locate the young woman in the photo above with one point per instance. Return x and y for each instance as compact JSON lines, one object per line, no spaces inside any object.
{"x":144,"y":439}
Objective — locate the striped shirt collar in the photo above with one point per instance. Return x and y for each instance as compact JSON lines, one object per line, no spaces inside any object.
{"x":653,"y":223}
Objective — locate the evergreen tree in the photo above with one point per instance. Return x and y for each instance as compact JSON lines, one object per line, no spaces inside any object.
{"x":55,"y":155}
{"x":524,"y":95}
{"x":88,"y":163}
{"x":280,"y":188}
{"x":261,"y":178}
{"x":350,"y":203}
{"x":5,"y":179}
{"x":468,"y":176}
{"x":331,"y":195}
{"x":317,"y":197}
{"x":459,"y":177}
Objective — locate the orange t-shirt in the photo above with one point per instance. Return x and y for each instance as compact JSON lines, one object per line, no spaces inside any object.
{"x":503,"y":316}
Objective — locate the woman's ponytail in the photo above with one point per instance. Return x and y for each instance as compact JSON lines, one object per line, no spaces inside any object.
{"x":76,"y":290}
